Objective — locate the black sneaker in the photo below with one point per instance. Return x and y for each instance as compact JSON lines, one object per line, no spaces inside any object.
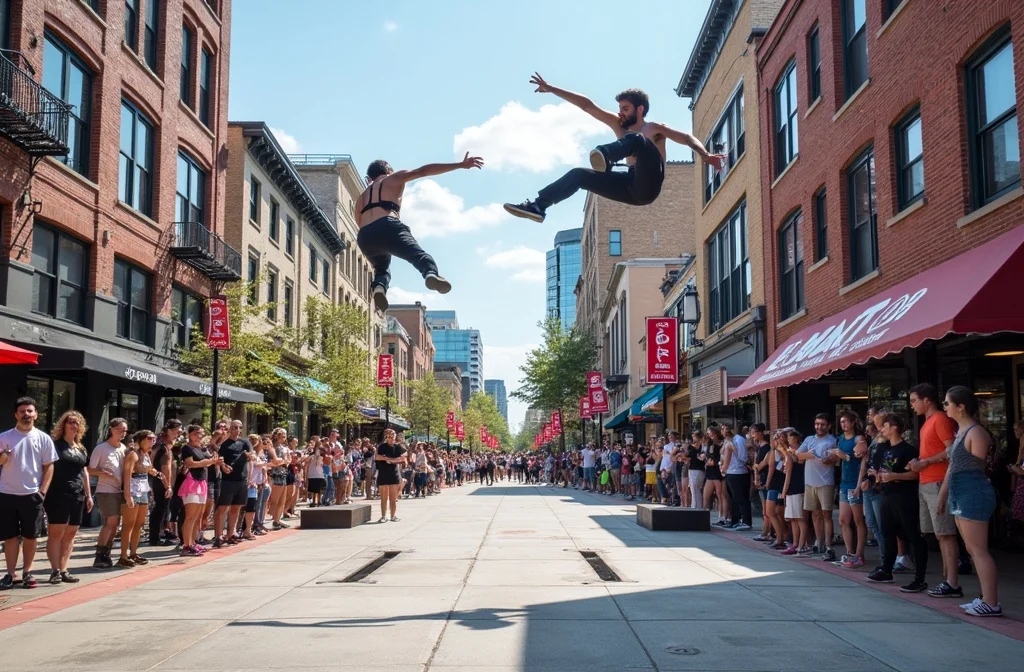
{"x":527,"y":210}
{"x":871,"y":543}
{"x":880,"y":576}
{"x":28,"y":581}
{"x":437,"y":284}
{"x":54,"y":578}
{"x":817,"y":550}
{"x":946,"y":590}
{"x":380,"y":299}
{"x":7,"y":582}
{"x":914,"y":586}
{"x":829,"y":555}
{"x":68,"y":577}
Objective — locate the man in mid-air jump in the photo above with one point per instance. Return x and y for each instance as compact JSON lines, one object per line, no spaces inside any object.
{"x":640,"y":142}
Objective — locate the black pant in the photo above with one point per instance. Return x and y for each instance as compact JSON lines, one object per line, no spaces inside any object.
{"x":388,"y":237}
{"x":640,"y":185}
{"x":900,"y":519}
{"x":158,"y":515}
{"x":739,"y":497}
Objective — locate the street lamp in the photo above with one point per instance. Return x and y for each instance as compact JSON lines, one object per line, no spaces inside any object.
{"x":691,"y":306}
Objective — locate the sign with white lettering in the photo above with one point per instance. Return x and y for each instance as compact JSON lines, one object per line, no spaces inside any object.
{"x":662,"y":350}
{"x":218,"y":329}
{"x":131,"y":373}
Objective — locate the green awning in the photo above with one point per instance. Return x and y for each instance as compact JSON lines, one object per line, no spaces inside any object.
{"x":618,"y":421}
{"x":301,"y":384}
{"x":645,"y":401}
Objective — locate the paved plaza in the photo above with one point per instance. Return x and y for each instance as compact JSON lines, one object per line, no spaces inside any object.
{"x":492,"y":579}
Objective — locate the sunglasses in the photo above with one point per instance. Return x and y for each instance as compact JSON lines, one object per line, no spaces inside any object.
{"x":71,"y":422}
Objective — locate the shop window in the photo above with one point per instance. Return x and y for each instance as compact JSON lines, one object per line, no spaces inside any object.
{"x":131,"y":24}
{"x":186,"y":315}
{"x":135,"y":178}
{"x":134,"y":301}
{"x":53,"y":397}
{"x":191,"y":195}
{"x":185,"y":85}
{"x":59,"y":280}
{"x":151,"y":33}
{"x":67,"y":77}
{"x":855,"y":45}
{"x":785,"y":115}
{"x":791,"y":264}
{"x":992,"y":120}
{"x":728,"y":270}
{"x":863,"y":217}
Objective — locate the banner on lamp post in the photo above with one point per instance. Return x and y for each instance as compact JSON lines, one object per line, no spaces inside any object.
{"x":594,"y":381}
{"x":585,"y":408}
{"x":662,"y":350}
{"x":556,"y":423}
{"x":483,"y":434}
{"x":547,"y":433}
{"x":598,"y":401}
{"x":385,"y":371}
{"x":460,"y":430}
{"x":449,"y":420}
{"x":218,"y":329}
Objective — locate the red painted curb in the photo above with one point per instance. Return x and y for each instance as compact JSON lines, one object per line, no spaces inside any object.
{"x":1005,"y":625}
{"x":46,"y":605}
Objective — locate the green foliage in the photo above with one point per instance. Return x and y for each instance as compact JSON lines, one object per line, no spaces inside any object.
{"x":555,"y":372}
{"x":429,"y":405}
{"x":483,"y":411}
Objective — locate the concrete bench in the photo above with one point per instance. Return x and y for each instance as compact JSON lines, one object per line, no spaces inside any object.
{"x":341,"y":516}
{"x":657,"y":518}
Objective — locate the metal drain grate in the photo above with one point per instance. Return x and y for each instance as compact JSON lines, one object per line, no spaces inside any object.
{"x":682,"y":650}
{"x":600,"y":567}
{"x":367,"y":569}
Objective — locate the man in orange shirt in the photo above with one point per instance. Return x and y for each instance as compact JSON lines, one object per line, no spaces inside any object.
{"x":937,"y":434}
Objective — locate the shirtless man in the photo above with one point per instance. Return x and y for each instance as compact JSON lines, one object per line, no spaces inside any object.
{"x":383,"y":235}
{"x":640,"y":142}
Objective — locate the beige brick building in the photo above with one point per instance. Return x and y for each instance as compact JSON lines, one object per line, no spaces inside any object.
{"x":413,"y":318}
{"x":721,"y":81}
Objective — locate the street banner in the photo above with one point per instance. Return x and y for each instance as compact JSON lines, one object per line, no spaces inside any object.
{"x":385,"y":371}
{"x":460,"y":430}
{"x":556,"y":422}
{"x":483,"y":433}
{"x":662,"y":350}
{"x":449,"y":420}
{"x":585,"y":408}
{"x":218,"y":329}
{"x":598,"y":401}
{"x":547,"y":433}
{"x":594,"y":380}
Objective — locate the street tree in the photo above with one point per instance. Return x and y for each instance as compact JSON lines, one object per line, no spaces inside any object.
{"x":428,"y":406}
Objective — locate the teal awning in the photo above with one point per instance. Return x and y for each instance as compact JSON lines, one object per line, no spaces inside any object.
{"x":646,"y":400}
{"x":619,"y":420}
{"x":301,"y":384}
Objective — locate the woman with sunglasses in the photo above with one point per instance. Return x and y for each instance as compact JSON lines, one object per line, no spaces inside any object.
{"x":136,"y":472}
{"x":68,"y":498}
{"x":195,"y":488}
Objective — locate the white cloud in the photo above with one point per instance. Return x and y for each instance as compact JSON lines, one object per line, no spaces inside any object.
{"x":526,"y":263}
{"x":532,"y":140}
{"x":288,"y":143}
{"x":390,"y":26}
{"x":433,"y":210}
{"x":430,"y":299}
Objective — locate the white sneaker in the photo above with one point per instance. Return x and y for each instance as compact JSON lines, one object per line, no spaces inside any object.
{"x":597,"y":161}
{"x":976,"y":601}
{"x":437,"y":284}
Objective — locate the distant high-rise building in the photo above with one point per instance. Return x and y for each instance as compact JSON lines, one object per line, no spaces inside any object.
{"x":496,"y":388}
{"x":563,"y":270}
{"x":461,"y":346}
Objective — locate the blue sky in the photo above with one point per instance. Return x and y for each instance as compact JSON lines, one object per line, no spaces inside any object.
{"x":422,"y":82}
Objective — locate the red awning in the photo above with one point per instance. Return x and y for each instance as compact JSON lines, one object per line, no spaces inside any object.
{"x":978,"y":292}
{"x":12,"y":354}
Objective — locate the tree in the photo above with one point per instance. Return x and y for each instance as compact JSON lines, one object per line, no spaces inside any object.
{"x":483,"y":411}
{"x":428,"y":406}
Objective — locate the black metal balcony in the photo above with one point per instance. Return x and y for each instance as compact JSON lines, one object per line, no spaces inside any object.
{"x":206,"y":252}
{"x":30,"y":116}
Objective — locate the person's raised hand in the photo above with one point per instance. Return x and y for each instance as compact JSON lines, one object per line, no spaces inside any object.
{"x":538,"y":81}
{"x":716,"y":161}
{"x":471,"y":162}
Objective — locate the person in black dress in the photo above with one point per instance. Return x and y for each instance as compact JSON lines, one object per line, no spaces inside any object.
{"x":389,"y":458}
{"x":69,"y":497}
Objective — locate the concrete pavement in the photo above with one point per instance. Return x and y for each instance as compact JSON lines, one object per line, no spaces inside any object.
{"x":492,"y":579}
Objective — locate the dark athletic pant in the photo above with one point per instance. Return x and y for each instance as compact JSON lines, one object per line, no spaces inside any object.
{"x":159,"y":513}
{"x":900,"y":519}
{"x":388,"y":237}
{"x":640,"y":185}
{"x":739,"y":497}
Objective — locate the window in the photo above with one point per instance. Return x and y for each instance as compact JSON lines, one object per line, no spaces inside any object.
{"x":186,"y":314}
{"x":615,"y":243}
{"x":131,"y":289}
{"x":791,"y":262}
{"x":253,"y":275}
{"x":131,"y":24}
{"x":5,"y":24}
{"x":191,"y":191}
{"x":254,"y":199}
{"x":786,"y":142}
{"x":59,"y":282}
{"x":326,"y":276}
{"x":151,"y":33}
{"x":992,"y":120}
{"x":272,"y":294}
{"x":186,"y":66}
{"x":891,"y":6}
{"x":67,"y":77}
{"x":135,"y":179}
{"x":314,"y":265}
{"x":855,"y":45}
{"x":814,"y":64}
{"x":275,"y":216}
{"x":863,"y":234}
{"x":909,"y":164}
{"x":729,"y":269}
{"x":289,"y":291}
{"x":289,"y":236}
{"x":820,"y":225}
{"x":729,"y":138}
{"x":205,"y":74}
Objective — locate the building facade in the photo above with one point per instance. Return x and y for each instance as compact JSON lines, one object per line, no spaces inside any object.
{"x":720,"y":79}
{"x":892,"y":196}
{"x":111,"y":210}
{"x":398,"y":344}
{"x":413,"y":319}
{"x":461,"y":346}
{"x":495,"y":388}
{"x":563,"y":271}
{"x":449,"y":376}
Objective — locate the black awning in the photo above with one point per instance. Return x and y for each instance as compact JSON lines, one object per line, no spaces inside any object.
{"x":137,"y":371}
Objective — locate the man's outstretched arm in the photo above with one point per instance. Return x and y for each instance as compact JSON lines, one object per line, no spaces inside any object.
{"x":607,"y":118}
{"x":683,"y":138}
{"x":432,"y":169}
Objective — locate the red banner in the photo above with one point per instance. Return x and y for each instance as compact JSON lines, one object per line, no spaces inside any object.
{"x":483,"y":433}
{"x":449,"y":420}
{"x":662,"y":350}
{"x":585,"y":408}
{"x":598,"y":401}
{"x":556,"y":422}
{"x":460,"y":431}
{"x":385,"y":370}
{"x":218,"y":329}
{"x":594,"y":381}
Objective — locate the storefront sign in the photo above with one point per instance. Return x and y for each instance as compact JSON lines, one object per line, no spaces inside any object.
{"x":556,"y":422}
{"x":218,"y":329}
{"x":132,"y":373}
{"x":460,"y":431}
{"x":585,"y":408}
{"x":449,"y":420}
{"x":598,"y":401}
{"x":709,"y":389}
{"x":206,"y":389}
{"x":662,"y":350}
{"x":385,"y":371}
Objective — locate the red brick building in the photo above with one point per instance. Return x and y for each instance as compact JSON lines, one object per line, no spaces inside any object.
{"x":890,"y":145}
{"x":113,"y":117}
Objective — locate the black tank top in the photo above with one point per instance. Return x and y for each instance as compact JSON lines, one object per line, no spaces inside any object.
{"x":387,"y":205}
